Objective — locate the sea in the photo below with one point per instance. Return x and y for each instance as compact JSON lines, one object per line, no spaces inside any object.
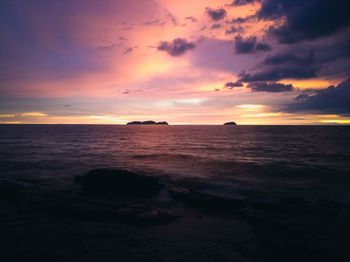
{"x":305,"y":162}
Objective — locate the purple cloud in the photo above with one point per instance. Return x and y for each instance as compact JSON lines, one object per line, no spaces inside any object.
{"x":269,"y":87}
{"x":216,"y":14}
{"x":192,"y":19}
{"x":232,"y":85}
{"x":249,"y":45}
{"x":215,"y":26}
{"x":332,"y":100}
{"x":177,"y":47}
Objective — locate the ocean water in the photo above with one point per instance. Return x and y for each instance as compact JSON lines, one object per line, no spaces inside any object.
{"x":309,"y":162}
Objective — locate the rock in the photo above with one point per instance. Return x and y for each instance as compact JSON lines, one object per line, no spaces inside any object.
{"x":142,"y":214}
{"x":117,"y":182}
{"x":14,"y":192}
{"x":230,"y":124}
{"x":206,"y":201}
{"x":150,"y":122}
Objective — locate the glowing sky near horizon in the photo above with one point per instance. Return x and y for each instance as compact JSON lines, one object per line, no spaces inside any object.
{"x":185,"y":62}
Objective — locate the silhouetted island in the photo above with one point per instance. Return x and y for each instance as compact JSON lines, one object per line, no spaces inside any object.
{"x":230,"y":124}
{"x":150,"y":122}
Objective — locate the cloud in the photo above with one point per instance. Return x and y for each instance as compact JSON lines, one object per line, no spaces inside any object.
{"x":215,"y":26}
{"x":192,"y":19}
{"x":110,"y":47}
{"x":305,"y":20}
{"x":234,"y":29}
{"x":128,"y":50}
{"x":332,"y":100}
{"x":232,"y":85}
{"x":262,"y":47}
{"x":249,"y":45}
{"x":244,"y":46}
{"x":243,"y":2}
{"x":154,"y":22}
{"x":303,"y":57}
{"x":292,"y":63}
{"x":216,"y":14}
{"x":269,"y":87}
{"x":278,"y":73}
{"x":302,"y":97}
{"x":33,"y":114}
{"x":240,"y":20}
{"x":177,"y":47}
{"x":326,"y":58}
{"x":7,"y":115}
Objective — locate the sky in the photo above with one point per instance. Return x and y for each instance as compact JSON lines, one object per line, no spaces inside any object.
{"x":182,"y":61}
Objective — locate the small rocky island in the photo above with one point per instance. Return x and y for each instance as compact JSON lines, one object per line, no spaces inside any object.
{"x":230,"y":124}
{"x":150,"y":122}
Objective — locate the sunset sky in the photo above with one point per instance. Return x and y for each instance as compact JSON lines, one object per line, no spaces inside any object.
{"x":181,"y":61}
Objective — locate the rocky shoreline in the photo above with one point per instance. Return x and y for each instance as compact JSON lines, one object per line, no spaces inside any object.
{"x":119,"y":215}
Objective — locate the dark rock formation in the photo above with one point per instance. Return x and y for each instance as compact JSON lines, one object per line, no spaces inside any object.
{"x":14,"y":192}
{"x":115,"y":182}
{"x":150,"y":122}
{"x":230,"y":124}
{"x":206,"y":201}
{"x":143,"y":214}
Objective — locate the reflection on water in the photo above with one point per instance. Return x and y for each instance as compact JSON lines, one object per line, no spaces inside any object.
{"x":282,"y":158}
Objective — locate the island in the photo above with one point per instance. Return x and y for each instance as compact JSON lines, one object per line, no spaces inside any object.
{"x":230,"y":124}
{"x":150,"y":122}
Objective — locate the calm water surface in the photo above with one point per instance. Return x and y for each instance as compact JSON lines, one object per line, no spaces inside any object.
{"x":307,"y":161}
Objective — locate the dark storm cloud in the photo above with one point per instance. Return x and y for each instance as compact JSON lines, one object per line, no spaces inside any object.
{"x":177,"y":47}
{"x":278,"y":73}
{"x":216,"y":14}
{"x":327,"y":58}
{"x":334,"y":50}
{"x":305,"y":20}
{"x":305,"y":57}
{"x":232,"y":85}
{"x":262,"y":47}
{"x":244,"y":46}
{"x":293,"y":63}
{"x":249,"y":45}
{"x":302,"y":97}
{"x":332,"y":100}
{"x":269,"y":87}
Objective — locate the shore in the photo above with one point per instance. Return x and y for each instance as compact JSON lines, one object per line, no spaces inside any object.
{"x":176,"y":223}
